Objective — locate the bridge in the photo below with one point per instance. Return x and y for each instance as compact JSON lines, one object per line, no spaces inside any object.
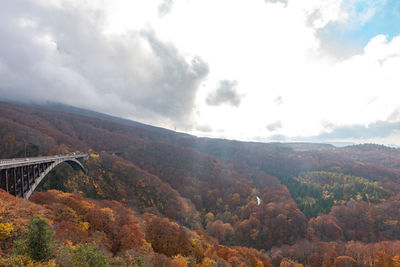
{"x":20,"y":177}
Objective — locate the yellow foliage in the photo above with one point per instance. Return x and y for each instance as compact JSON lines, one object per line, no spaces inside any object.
{"x":86,"y":206}
{"x":207,"y":262}
{"x":6,"y":230}
{"x":18,"y":260}
{"x":69,"y":244}
{"x":180,"y":261}
{"x":3,"y":210}
{"x":260,"y":264}
{"x":94,"y":156}
{"x":84,"y":226}
{"x":146,"y":248}
{"x":109,"y":213}
{"x":289,"y":263}
{"x":194,"y":241}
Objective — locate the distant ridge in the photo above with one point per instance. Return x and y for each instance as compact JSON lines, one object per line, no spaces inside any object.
{"x":296,"y":145}
{"x":93,"y":114}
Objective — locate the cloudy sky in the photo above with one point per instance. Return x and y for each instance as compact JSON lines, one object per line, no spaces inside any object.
{"x":263,"y":70}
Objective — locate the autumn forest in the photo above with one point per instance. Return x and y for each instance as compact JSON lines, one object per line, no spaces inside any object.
{"x":154,"y":197}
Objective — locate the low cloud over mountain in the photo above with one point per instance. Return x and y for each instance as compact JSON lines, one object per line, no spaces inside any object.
{"x":59,"y":52}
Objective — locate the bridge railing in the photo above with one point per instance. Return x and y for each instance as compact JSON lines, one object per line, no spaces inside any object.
{"x":33,"y":159}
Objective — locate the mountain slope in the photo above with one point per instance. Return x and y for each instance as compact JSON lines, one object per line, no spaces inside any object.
{"x":211,"y":184}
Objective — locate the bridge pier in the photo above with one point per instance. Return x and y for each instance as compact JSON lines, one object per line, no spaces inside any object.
{"x":15,"y":181}
{"x":21,"y":181}
{"x":7,"y":187}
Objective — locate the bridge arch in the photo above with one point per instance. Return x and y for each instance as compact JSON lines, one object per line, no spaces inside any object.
{"x":74,"y":163}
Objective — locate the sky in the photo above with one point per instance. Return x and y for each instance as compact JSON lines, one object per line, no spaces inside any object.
{"x":262,"y":70}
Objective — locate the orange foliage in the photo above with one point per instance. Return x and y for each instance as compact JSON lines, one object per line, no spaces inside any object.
{"x":117,"y":224}
{"x":15,"y":213}
{"x":345,"y":261}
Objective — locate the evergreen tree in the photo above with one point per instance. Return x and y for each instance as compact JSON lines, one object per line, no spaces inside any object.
{"x":39,"y":241}
{"x":89,"y":256}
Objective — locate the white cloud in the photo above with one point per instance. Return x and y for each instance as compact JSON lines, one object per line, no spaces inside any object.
{"x":288,"y":62}
{"x":274,"y":126}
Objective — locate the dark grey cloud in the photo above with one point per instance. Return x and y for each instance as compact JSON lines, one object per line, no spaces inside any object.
{"x":61,"y":54}
{"x":176,"y":86}
{"x":165,"y":7}
{"x":225,"y":94}
{"x":274,"y":126}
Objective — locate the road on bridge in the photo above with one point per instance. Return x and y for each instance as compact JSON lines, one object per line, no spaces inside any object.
{"x":10,"y":163}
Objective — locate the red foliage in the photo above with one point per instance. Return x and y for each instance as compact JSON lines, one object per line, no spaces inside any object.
{"x":167,"y":237}
{"x":326,"y":228}
{"x":71,"y":231}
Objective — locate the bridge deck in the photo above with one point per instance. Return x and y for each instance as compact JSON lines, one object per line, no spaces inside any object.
{"x":19,"y":162}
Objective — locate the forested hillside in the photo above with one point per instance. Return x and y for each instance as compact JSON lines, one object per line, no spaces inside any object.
{"x":159,"y":198}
